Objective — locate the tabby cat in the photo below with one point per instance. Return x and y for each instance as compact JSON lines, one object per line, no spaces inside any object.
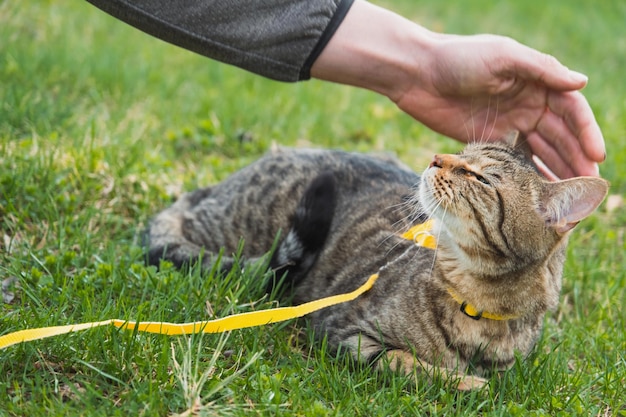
{"x":468,"y":305}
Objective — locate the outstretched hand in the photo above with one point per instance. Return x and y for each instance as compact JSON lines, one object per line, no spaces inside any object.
{"x":479,"y":87}
{"x":471,"y":88}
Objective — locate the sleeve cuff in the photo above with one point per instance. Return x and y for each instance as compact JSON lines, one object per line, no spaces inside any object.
{"x":333,"y":25}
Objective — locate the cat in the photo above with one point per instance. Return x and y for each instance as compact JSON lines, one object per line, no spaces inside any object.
{"x":462,"y":310}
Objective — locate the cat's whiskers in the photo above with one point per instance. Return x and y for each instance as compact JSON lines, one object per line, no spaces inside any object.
{"x":415,"y":212}
{"x":482,"y":135}
{"x":488,"y":137}
{"x":419,"y":248}
{"x":399,"y":225}
{"x":473,"y":137}
{"x":490,"y":120}
{"x":400,"y":207}
{"x":437,"y":240}
{"x":467,"y":132}
{"x":493,"y":125}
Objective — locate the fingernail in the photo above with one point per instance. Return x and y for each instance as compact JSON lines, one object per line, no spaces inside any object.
{"x":579,"y":76}
{"x":596,"y":170}
{"x":604,"y":158}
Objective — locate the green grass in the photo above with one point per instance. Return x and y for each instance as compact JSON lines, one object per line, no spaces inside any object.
{"x":101,"y":126}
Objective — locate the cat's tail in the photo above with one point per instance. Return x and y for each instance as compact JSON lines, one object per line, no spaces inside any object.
{"x":297,"y":253}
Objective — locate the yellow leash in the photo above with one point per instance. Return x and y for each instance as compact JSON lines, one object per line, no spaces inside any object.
{"x":234,"y":322}
{"x":419,"y":234}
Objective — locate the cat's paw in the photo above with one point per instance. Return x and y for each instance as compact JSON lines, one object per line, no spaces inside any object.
{"x":405,"y":361}
{"x":471,"y":382}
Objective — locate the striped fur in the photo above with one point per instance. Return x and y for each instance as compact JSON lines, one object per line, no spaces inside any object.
{"x":501,"y":229}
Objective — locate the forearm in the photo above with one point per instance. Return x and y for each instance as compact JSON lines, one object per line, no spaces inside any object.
{"x":278,"y":39}
{"x":378,"y":50}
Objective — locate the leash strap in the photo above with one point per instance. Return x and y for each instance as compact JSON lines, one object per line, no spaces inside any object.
{"x":419,"y":234}
{"x":234,"y":322}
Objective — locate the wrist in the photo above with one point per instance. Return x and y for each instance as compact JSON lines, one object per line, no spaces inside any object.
{"x":377,"y":50}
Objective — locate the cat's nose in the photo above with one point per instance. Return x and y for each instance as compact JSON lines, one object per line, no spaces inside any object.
{"x":443,"y":161}
{"x":436,"y":162}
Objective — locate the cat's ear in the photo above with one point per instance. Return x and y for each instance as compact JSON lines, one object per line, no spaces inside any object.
{"x":517,"y":140}
{"x":511,"y":137}
{"x":565,"y":203}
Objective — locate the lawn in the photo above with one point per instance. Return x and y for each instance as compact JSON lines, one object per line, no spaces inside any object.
{"x":101,"y":126}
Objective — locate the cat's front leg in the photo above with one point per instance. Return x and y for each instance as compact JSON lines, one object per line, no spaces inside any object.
{"x":400,"y":360}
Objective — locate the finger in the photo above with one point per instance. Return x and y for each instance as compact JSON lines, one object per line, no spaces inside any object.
{"x":549,"y":156}
{"x":555,"y":133}
{"x":543,"y":168}
{"x":533,"y":65}
{"x":574,"y":109}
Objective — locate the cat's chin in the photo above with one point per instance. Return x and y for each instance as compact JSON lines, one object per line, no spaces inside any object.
{"x":430,"y":204}
{"x":433,"y":207}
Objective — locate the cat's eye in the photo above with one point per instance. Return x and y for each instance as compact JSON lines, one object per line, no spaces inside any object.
{"x":476,"y":176}
{"x":482,"y":179}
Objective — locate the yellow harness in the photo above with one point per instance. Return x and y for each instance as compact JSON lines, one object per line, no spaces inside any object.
{"x":421,"y":235}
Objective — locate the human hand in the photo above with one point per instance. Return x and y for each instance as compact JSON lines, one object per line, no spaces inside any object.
{"x":479,"y":87}
{"x":468,"y":87}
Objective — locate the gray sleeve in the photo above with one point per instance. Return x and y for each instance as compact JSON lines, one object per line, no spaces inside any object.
{"x":278,"y":39}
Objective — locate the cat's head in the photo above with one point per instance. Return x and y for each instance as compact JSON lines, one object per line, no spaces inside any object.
{"x":497,"y":210}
